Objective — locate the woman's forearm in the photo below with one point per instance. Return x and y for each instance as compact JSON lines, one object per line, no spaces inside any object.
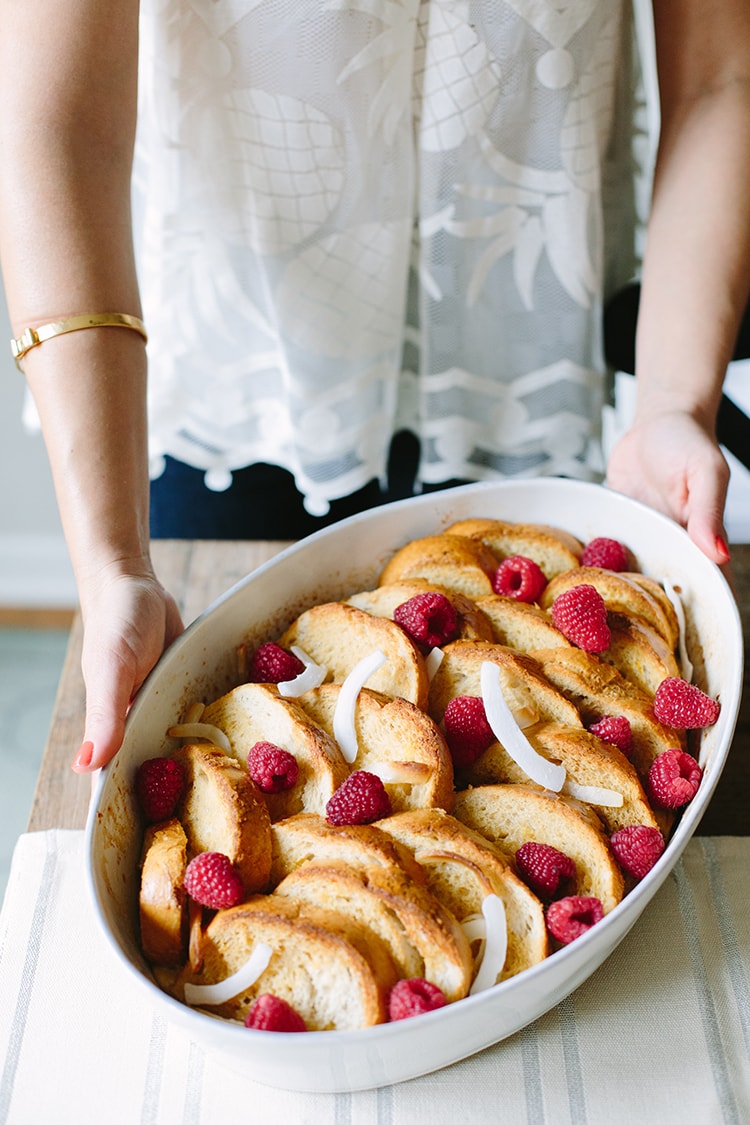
{"x":68,"y":93}
{"x":696,"y":276}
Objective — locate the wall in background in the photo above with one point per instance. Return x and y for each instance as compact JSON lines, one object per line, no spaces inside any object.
{"x":34,"y":565}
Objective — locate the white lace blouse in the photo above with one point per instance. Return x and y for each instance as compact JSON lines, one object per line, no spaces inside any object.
{"x":355,"y":216}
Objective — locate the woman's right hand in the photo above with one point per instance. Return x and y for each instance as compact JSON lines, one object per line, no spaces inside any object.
{"x":129,"y":620}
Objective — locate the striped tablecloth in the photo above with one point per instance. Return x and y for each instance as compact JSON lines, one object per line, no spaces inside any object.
{"x":659,"y":1035}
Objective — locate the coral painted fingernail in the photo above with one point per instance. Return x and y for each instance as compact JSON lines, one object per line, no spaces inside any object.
{"x":82,"y":760}
{"x":722,"y":548}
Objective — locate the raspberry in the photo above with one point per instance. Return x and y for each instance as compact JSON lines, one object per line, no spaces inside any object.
{"x":467,"y":731}
{"x":684,"y":706}
{"x":360,"y":799}
{"x":271,"y":768}
{"x":614,"y":729}
{"x":637,"y":848}
{"x":271,"y":1013}
{"x":211,"y":881}
{"x":609,"y":554}
{"x":543,"y":867}
{"x":272,"y":664}
{"x":570,"y":917}
{"x":520,"y":578}
{"x":581,"y":615}
{"x":158,"y":785}
{"x":414,"y":997}
{"x":429,"y":618}
{"x":673,"y":779}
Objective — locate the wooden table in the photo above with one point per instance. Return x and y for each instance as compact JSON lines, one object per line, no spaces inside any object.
{"x":197,"y":572}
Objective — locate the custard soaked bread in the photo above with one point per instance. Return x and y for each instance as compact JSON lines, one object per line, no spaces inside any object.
{"x":461,"y":867}
{"x":338,"y":636}
{"x":512,"y":815}
{"x":456,"y":562}
{"x":222,"y":810}
{"x":554,"y":550}
{"x":526,"y":689}
{"x":253,"y":713}
{"x":472,"y":624}
{"x":429,"y":780}
{"x":332,"y":969}
{"x":395,"y":740}
{"x":590,"y":765}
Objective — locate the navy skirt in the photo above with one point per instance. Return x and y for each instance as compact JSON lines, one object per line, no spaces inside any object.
{"x":263,"y":503}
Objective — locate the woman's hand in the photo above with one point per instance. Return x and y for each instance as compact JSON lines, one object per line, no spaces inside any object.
{"x":129,"y":620}
{"x":673,"y":463}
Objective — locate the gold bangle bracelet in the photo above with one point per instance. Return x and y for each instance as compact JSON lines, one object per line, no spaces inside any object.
{"x":32,"y":337}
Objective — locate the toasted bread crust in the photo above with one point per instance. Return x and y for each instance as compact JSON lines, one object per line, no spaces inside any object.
{"x":552,"y":549}
{"x":511,"y":815}
{"x":524,"y":685}
{"x":520,"y":625}
{"x":621,"y":594}
{"x":161,"y":903}
{"x":222,"y":810}
{"x":423,"y":938}
{"x":330,"y":968}
{"x":383,"y":601}
{"x":338,"y":636}
{"x":453,"y":561}
{"x":461,"y":867}
{"x":394,"y":737}
{"x":587,"y":761}
{"x":307,"y":837}
{"x":257,"y":713}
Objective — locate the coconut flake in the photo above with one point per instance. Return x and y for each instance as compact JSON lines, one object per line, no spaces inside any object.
{"x":244,"y":978}
{"x":508,"y":733}
{"x":344,"y":730}
{"x":202,"y":730}
{"x":594,"y":795}
{"x":401,"y":773}
{"x":433,"y":660}
{"x":495,"y":946}
{"x":686,"y":665}
{"x":475,"y":928}
{"x":312,"y":676}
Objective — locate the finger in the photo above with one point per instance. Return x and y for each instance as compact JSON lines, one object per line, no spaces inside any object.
{"x":705,"y":511}
{"x":108,"y":696}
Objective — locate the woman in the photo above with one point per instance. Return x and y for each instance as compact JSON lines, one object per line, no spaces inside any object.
{"x":294,"y":160}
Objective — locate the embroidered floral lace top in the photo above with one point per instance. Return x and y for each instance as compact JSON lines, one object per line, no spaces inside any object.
{"x":355,"y":216}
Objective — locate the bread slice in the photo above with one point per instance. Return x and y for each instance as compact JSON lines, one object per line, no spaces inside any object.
{"x":526,"y":690}
{"x":622,"y":593}
{"x":552,"y":549}
{"x":512,"y":815}
{"x":639,"y":652}
{"x":397,"y":741}
{"x":423,"y":938}
{"x":254,"y":713}
{"x":222,"y":810}
{"x":338,"y":636}
{"x":519,"y":625}
{"x":306,"y":837}
{"x":162,"y":899}
{"x":587,"y":760}
{"x":597,"y":689}
{"x":329,"y":967}
{"x":383,"y":601}
{"x":461,"y":867}
{"x":453,"y":561}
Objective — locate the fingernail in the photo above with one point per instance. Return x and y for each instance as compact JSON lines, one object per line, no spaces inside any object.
{"x":722,"y":548}
{"x":82,"y":760}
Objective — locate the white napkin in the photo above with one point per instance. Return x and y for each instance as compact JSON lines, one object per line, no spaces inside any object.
{"x":660,"y":1035}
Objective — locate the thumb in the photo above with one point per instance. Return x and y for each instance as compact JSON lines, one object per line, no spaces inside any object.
{"x":108,"y":696}
{"x":705,"y":512}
